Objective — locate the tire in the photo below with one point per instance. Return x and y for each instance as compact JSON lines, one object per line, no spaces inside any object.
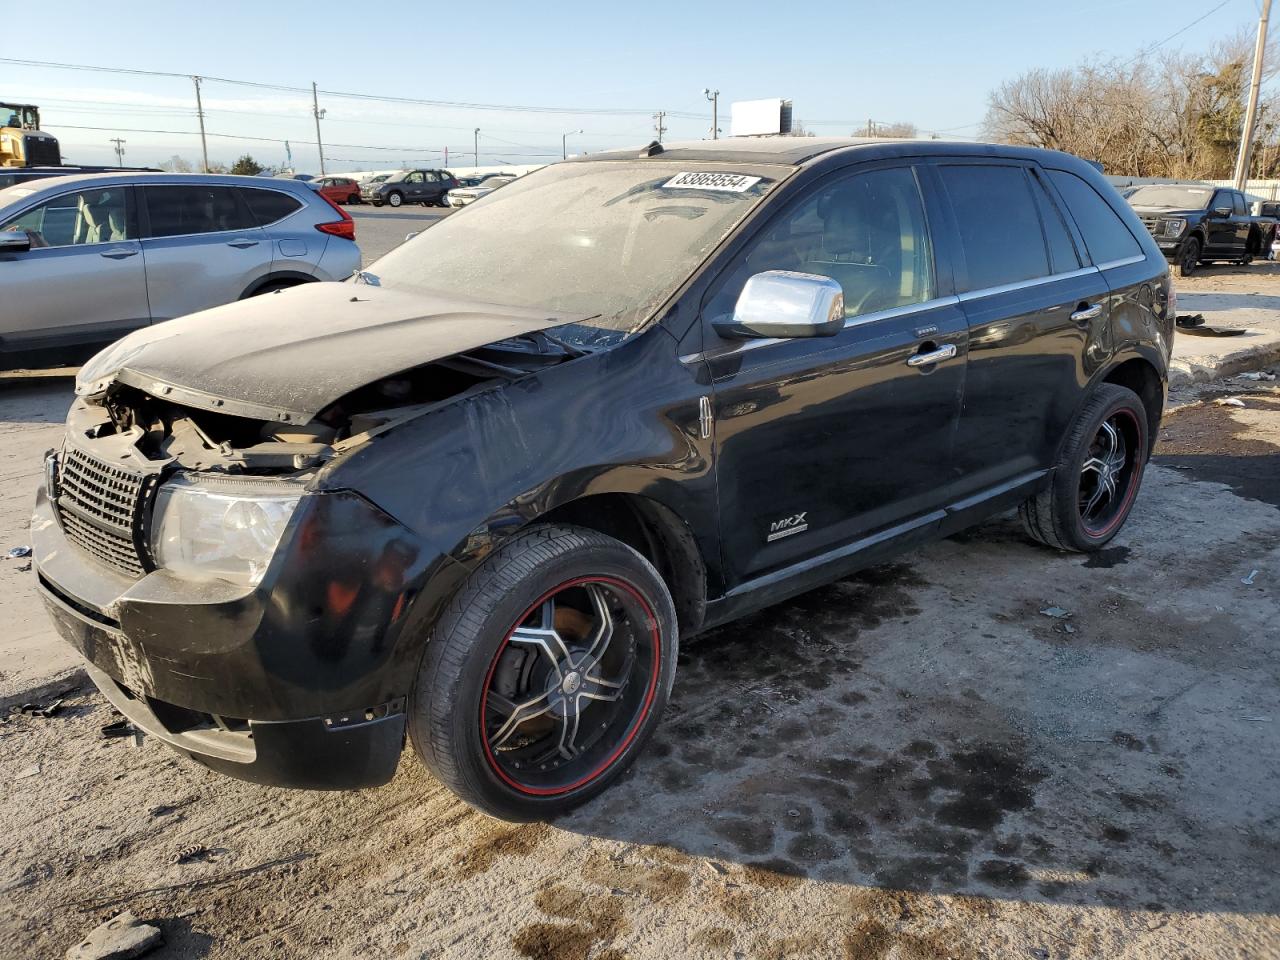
{"x":1189,"y":259}
{"x":1079,"y":510}
{"x":395,"y":199}
{"x":376,"y":203}
{"x":275,"y":286}
{"x":490,"y":651}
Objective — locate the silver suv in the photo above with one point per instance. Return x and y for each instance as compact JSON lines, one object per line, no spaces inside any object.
{"x":86,"y":259}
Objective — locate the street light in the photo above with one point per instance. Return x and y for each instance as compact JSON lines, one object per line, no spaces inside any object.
{"x":564,"y":144}
{"x":714,"y":97}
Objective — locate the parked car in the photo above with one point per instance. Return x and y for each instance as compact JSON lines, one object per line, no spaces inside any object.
{"x":84,"y":260}
{"x":461,"y":196}
{"x":427,"y":187}
{"x":1197,"y":223}
{"x":482,"y":494}
{"x":338,"y":189}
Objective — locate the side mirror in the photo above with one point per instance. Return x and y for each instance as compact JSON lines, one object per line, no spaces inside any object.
{"x":410,"y":236}
{"x":14,"y":241}
{"x":780,"y":303}
{"x":1222,"y":211}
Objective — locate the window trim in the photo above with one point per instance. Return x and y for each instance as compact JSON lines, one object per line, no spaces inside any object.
{"x":1071,"y":216}
{"x":789,"y":206}
{"x":302,"y":205}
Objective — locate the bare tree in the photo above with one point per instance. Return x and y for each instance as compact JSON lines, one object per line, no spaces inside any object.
{"x":905,"y":131}
{"x":176,"y":164}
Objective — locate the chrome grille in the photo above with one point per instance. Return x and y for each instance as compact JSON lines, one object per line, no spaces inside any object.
{"x":1152,"y":225}
{"x":99,"y":506}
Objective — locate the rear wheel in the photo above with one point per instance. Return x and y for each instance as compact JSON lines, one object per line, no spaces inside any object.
{"x":1097,"y":477}
{"x":546,"y":674}
{"x":1189,"y":259}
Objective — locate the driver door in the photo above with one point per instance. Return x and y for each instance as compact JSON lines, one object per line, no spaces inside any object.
{"x":83,"y":279}
{"x":825,"y":445}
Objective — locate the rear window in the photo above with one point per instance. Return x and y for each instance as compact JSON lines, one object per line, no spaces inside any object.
{"x":1105,"y":234}
{"x":998,"y":223}
{"x":269,"y":206}
{"x":180,"y":211}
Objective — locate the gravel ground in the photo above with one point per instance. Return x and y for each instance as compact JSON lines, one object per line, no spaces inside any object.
{"x":915,"y":762}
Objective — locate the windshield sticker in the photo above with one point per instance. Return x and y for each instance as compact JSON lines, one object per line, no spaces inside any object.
{"x":725,"y":182}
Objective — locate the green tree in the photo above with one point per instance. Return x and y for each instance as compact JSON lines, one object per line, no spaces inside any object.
{"x":246,"y":166}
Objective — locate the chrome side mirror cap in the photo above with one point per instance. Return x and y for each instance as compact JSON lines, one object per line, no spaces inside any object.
{"x":782,"y":303}
{"x":1222,"y":211}
{"x":410,"y":236}
{"x":14,"y":241}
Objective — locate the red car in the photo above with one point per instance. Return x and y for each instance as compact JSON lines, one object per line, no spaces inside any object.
{"x":338,"y":189}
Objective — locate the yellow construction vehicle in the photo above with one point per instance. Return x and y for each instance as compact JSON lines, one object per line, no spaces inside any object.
{"x":22,"y":142}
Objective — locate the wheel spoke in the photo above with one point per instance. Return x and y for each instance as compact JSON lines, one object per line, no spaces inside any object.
{"x":520,"y":713}
{"x":603,"y":633}
{"x":567,"y":746}
{"x":546,"y":639}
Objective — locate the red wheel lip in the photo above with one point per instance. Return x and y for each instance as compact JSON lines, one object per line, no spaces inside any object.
{"x":650,"y":694}
{"x":1123,"y":512}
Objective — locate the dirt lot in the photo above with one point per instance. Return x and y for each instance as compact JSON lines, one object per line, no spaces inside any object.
{"x":913,"y":763}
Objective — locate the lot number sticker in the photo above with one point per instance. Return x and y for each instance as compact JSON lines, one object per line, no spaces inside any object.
{"x":725,"y":182}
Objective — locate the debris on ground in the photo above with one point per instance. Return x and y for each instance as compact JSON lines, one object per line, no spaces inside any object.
{"x":1229,"y":402}
{"x":1248,"y":581}
{"x":118,"y":728}
{"x":1056,"y":612}
{"x":17,"y":553}
{"x":194,"y":852}
{"x":32,"y":771}
{"x":1255,"y":375}
{"x":32,"y":710}
{"x":121,"y":937}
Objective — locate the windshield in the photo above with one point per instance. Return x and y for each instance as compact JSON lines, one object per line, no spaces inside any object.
{"x":609,"y":240}
{"x":1171,"y":196}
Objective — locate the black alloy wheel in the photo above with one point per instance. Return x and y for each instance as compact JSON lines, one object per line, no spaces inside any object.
{"x":1189,"y":259}
{"x":1091,"y":491}
{"x":546,"y":673}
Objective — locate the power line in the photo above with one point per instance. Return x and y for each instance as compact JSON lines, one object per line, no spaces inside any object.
{"x":1176,"y":33}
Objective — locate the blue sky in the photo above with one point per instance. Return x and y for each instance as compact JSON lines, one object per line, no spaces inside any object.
{"x":932,"y":63}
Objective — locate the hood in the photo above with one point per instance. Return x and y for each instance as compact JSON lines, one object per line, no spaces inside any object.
{"x":286,"y":356}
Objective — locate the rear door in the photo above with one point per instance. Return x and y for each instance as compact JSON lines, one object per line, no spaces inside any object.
{"x":83,"y":279}
{"x":295,"y":243}
{"x":1034,"y":310}
{"x":202,"y":247}
{"x":1243,"y":222}
{"x":827,"y":442}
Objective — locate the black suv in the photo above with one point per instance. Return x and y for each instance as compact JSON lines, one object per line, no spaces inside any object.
{"x":480,"y":493}
{"x":427,"y":187}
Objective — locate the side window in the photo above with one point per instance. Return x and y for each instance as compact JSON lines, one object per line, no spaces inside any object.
{"x":1105,"y":234}
{"x":413,"y":178}
{"x":1062,"y":250}
{"x":998,"y":222}
{"x":867,"y":232}
{"x":431,"y":177}
{"x":269,"y":206}
{"x":179,"y":211}
{"x":1239,"y":208}
{"x":89,"y":216}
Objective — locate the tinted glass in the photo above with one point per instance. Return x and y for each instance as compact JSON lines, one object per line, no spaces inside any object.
{"x":1105,"y":234}
{"x":180,"y":211}
{"x":268,"y":206}
{"x":999,"y":226}
{"x":1239,"y":207}
{"x":90,"y":216}
{"x":1062,"y":252}
{"x":867,"y":233}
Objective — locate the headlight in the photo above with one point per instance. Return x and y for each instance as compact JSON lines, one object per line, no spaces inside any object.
{"x":1174,"y":227}
{"x":220,"y":527}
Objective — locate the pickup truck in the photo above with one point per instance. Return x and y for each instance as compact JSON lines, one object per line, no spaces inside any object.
{"x":1195,"y":223}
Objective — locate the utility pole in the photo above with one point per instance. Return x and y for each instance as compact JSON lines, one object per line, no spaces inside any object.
{"x":714,"y":97}
{"x":446,"y":158}
{"x":119,"y":150}
{"x":658,"y":124}
{"x":204,"y":144}
{"x":315,"y":108}
{"x":1251,"y":111}
{"x":871,"y":126}
{"x":477,"y":147}
{"x":564,"y":144}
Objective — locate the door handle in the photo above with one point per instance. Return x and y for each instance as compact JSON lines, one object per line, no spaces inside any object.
{"x":945,"y":352}
{"x":118,"y":254}
{"x":1087,"y":313}
{"x":242,"y":244}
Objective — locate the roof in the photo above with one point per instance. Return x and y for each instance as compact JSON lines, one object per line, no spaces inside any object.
{"x":60,"y":184}
{"x":789,"y":150}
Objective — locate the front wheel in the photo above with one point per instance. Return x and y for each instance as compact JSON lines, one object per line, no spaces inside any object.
{"x":546,"y":674}
{"x":1097,"y":476}
{"x":395,"y":199}
{"x":1189,"y":260}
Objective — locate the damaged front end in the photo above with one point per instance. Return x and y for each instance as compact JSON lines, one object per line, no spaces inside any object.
{"x":227,"y":599}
